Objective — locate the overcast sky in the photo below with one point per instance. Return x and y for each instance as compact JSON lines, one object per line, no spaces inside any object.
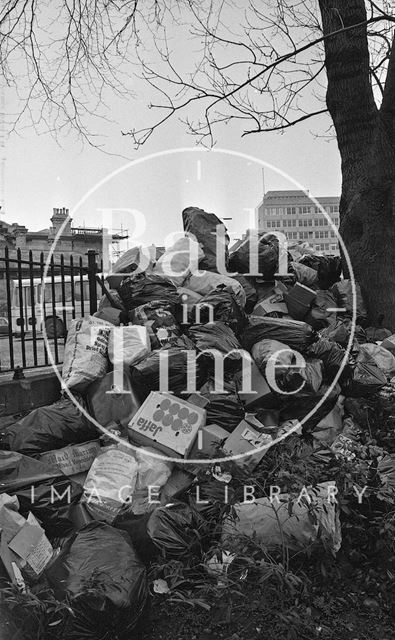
{"x":41,"y":173}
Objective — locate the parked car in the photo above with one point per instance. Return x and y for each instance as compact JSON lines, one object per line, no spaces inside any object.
{"x":3,"y":325}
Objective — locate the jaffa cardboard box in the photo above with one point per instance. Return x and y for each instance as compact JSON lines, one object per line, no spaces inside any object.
{"x":167,"y":424}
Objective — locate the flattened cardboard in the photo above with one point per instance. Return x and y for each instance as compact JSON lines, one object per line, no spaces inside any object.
{"x":29,"y":549}
{"x":32,"y":545}
{"x":73,"y":459}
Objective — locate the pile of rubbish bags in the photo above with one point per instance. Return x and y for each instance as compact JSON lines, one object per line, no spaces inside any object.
{"x":189,"y":366}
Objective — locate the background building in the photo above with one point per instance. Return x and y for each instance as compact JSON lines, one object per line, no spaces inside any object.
{"x":297,"y":216}
{"x":73,"y":241}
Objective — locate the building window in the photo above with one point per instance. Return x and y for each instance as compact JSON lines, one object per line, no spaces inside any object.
{"x":317,"y":246}
{"x":327,"y":247}
{"x":333,"y":247}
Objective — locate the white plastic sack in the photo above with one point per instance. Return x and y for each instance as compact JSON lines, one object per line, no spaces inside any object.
{"x":179,"y":261}
{"x":273,"y":524}
{"x":110,"y":482}
{"x":152,"y":472}
{"x":144,"y":257}
{"x":383,"y":358}
{"x":209,"y":281}
{"x":85,"y":352}
{"x":128,"y":345}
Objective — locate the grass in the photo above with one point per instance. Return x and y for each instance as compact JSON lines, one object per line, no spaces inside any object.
{"x":271,"y":594}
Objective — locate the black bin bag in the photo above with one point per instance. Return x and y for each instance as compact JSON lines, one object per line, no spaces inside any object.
{"x":219,"y":305}
{"x":174,"y":530}
{"x":329,"y":269}
{"x":99,"y":573}
{"x":342,"y":292}
{"x":224,"y":409}
{"x":332,"y":356}
{"x":143,"y":288}
{"x":136,"y":527}
{"x":296,"y":335}
{"x":213,"y":335}
{"x":248,"y":284}
{"x":48,"y":428}
{"x":268,"y":255}
{"x":145,"y":375}
{"x":158,"y":318}
{"x":367,"y":379}
{"x":41,"y":489}
{"x":204,"y":226}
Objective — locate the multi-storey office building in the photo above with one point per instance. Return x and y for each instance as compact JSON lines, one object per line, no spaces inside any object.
{"x":300,"y":219}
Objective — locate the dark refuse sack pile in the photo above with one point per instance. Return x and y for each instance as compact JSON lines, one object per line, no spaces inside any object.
{"x":87,"y":514}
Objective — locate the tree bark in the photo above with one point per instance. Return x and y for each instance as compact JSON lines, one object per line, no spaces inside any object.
{"x":365,"y":136}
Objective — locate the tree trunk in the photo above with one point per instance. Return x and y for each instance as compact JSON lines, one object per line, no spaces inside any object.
{"x":368,"y":230}
{"x":365,"y":136}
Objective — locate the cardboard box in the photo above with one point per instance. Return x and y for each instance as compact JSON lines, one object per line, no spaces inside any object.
{"x":261,"y":392}
{"x":299,"y":300}
{"x":273,"y":304}
{"x":207,"y":439}
{"x":247,"y":439}
{"x":179,"y":481}
{"x":73,"y":459}
{"x":167,"y":423}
